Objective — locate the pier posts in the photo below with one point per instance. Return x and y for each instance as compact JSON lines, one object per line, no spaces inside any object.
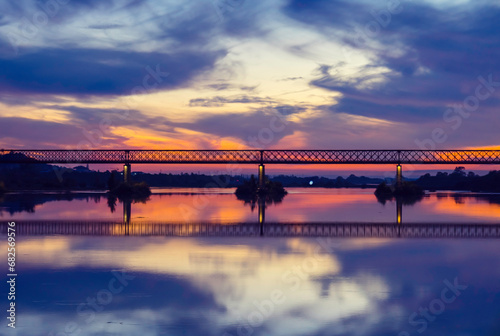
{"x":127,"y":173}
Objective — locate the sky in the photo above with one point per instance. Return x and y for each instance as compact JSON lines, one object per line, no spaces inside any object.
{"x":238,"y":74}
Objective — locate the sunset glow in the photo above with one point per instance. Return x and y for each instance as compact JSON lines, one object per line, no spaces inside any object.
{"x":257,"y":75}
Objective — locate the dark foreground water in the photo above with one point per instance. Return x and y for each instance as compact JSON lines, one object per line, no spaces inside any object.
{"x":436,"y":273}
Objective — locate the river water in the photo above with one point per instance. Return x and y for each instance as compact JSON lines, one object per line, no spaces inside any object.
{"x":320,"y":262}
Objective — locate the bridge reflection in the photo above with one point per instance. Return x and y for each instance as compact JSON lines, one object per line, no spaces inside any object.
{"x":128,"y":226}
{"x":379,"y":230}
{"x":127,"y":211}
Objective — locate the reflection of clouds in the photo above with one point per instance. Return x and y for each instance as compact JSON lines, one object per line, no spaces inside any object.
{"x":144,"y":322}
{"x":363,"y":243}
{"x":237,"y":275}
{"x":305,"y":312}
{"x":471,"y":207}
{"x":443,"y":208}
{"x":209,"y":286}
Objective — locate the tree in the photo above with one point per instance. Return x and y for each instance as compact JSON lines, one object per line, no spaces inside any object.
{"x":459,"y":170}
{"x":112,"y":180}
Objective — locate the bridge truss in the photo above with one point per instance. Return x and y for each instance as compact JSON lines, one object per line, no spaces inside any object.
{"x":253,"y":156}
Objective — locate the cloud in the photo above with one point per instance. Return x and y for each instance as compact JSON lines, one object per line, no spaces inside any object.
{"x":244,"y":126}
{"x":336,"y":13}
{"x":93,"y":117}
{"x":291,"y":79}
{"x":221,"y":101}
{"x":82,"y":72}
{"x":422,"y":60}
{"x":289,"y":109}
{"x":405,"y":74}
{"x":80,"y":51}
{"x":86,"y":124}
{"x":61,"y":12}
{"x":30,"y":133}
{"x":319,"y":130}
{"x":229,"y":86}
{"x":106,"y":26}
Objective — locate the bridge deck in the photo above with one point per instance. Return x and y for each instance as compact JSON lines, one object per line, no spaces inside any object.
{"x":253,"y":156}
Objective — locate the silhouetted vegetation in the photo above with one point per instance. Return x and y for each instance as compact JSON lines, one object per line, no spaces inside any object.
{"x":13,"y":203}
{"x":271,"y":192}
{"x":460,"y":180}
{"x":383,"y":190}
{"x":405,"y":189}
{"x":113,"y":180}
{"x":38,"y":176}
{"x":51,"y":177}
{"x":408,"y":193}
{"x":136,"y":191}
{"x":112,"y":203}
{"x":408,"y":189}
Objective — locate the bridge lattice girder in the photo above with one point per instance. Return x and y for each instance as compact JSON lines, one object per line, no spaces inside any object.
{"x":253,"y":156}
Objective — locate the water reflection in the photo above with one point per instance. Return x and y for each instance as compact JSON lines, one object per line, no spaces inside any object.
{"x":220,"y":286}
{"x":322,"y":262}
{"x":221,"y":206}
{"x":346,"y":230}
{"x":14,"y":203}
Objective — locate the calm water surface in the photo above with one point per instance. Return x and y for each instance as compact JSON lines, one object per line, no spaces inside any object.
{"x":221,"y":206}
{"x":144,"y":285}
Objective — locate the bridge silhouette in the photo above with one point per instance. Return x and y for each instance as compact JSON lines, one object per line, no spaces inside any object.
{"x":253,"y":156}
{"x":260,"y":157}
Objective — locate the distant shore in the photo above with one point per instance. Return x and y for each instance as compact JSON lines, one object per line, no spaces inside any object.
{"x":25,"y":177}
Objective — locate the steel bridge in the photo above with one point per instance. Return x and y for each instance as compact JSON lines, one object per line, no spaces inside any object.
{"x":260,"y":157}
{"x":253,"y":156}
{"x":347,"y":230}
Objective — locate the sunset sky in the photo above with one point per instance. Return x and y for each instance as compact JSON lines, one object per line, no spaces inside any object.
{"x":234,"y":74}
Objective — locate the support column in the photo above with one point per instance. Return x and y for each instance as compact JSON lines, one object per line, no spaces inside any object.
{"x":399,"y":175}
{"x":127,"y":173}
{"x":262,"y":175}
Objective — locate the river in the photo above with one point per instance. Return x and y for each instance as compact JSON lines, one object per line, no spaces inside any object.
{"x":346,"y":264}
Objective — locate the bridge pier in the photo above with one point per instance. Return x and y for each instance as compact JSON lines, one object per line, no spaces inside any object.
{"x":399,"y":175}
{"x":127,"y":173}
{"x":262,"y":175}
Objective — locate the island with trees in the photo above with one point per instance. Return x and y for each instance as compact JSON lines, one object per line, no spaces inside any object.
{"x":127,"y":190}
{"x":270,"y":192}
